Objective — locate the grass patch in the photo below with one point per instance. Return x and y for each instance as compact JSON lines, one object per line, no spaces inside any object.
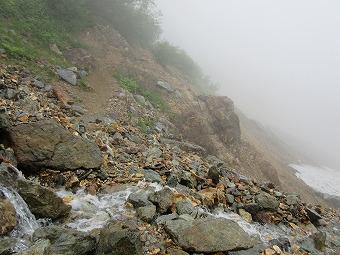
{"x":133,"y":86}
{"x":145,"y":125}
{"x":84,"y":86}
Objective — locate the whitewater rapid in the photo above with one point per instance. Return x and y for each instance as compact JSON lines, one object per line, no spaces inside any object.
{"x":322,"y":179}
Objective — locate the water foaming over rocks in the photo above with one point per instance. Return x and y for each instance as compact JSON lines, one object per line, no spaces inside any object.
{"x":91,"y":212}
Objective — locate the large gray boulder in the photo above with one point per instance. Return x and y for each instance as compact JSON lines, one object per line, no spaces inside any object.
{"x":208,"y":235}
{"x":66,"y":241}
{"x":42,"y":202}
{"x":120,"y":238}
{"x":46,"y":144}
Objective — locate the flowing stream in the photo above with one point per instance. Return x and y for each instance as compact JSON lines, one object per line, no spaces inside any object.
{"x":91,"y":212}
{"x":27,"y":223}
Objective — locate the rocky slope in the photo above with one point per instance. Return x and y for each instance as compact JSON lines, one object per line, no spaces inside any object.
{"x":209,"y":121}
{"x":61,"y":136}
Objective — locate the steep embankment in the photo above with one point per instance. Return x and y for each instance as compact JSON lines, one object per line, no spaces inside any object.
{"x":209,"y":121}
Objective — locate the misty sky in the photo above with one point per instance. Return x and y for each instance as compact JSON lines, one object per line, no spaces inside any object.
{"x":279,"y":60}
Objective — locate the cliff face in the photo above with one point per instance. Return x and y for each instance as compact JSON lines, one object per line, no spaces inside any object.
{"x":209,"y":121}
{"x":212,"y":123}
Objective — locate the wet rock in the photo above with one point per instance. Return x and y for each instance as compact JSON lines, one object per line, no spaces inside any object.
{"x":205,"y":235}
{"x":245,"y":215}
{"x":161,"y":220}
{"x":8,"y":219}
{"x":146,"y":213}
{"x":42,"y":202}
{"x":68,"y":76}
{"x":46,"y":144}
{"x":267,"y":201}
{"x":41,"y":247}
{"x":184,"y":207}
{"x":162,"y":199}
{"x":7,"y":245}
{"x":120,"y":238}
{"x":66,"y":241}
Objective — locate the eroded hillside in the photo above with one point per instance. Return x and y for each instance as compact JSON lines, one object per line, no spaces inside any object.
{"x":208,"y":121}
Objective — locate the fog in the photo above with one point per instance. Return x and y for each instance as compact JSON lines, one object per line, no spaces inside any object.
{"x":278,"y":60}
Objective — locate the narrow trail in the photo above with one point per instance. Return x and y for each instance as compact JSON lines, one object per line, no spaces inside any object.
{"x":96,"y":102}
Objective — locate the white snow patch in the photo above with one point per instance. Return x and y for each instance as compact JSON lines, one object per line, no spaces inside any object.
{"x":322,"y":179}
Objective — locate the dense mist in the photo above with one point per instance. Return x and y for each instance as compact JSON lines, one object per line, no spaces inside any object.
{"x":278,"y":60}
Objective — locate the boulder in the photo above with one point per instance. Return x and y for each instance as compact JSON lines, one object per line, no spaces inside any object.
{"x":46,"y":144}
{"x":42,"y":202}
{"x":66,"y":241}
{"x":267,"y":201}
{"x":68,"y":76}
{"x":119,"y":238}
{"x":8,"y":219}
{"x":208,"y":235}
